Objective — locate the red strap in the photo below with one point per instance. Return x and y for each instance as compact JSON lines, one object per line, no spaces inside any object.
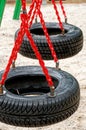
{"x":23,"y":30}
{"x":16,"y":47}
{"x":58,"y":16}
{"x":23,"y":2}
{"x":13,"y":54}
{"x":62,"y":7}
{"x":47,"y":35}
{"x":32,"y":18}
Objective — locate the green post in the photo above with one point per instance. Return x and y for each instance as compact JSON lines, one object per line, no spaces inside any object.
{"x":17,"y":10}
{"x":2,"y":6}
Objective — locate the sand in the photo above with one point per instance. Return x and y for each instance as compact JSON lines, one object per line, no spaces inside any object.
{"x":76,"y":65}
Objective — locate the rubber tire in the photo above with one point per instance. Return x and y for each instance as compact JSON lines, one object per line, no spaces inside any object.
{"x":40,"y":110}
{"x":65,"y":46}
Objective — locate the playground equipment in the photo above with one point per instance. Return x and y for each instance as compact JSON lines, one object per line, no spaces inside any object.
{"x":2,"y":6}
{"x":65,"y":46}
{"x":37,"y":96}
{"x":17,"y":9}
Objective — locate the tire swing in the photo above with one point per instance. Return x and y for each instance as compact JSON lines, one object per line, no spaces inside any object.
{"x":32,"y":96}
{"x":65,"y":46}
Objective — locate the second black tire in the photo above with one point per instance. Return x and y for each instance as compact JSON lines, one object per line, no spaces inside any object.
{"x":65,"y":46}
{"x":26,"y":101}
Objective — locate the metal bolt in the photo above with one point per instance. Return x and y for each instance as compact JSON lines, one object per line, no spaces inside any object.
{"x":13,"y":64}
{"x":66,"y":20}
{"x":24,"y":11}
{"x":36,"y":20}
{"x":57,"y":65}
{"x":63,"y":31}
{"x":1,"y":89}
{"x":52,"y":89}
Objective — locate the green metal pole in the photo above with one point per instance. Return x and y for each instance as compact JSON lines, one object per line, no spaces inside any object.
{"x":2,"y":6}
{"x":0,"y":1}
{"x":17,"y":10}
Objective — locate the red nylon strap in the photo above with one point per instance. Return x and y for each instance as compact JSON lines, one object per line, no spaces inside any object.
{"x":35,"y":49}
{"x":23,"y":30}
{"x":23,"y":2}
{"x":58,"y":16}
{"x":16,"y":47}
{"x":32,"y":18}
{"x":13,"y":54}
{"x":46,"y":34}
{"x":62,"y":7}
{"x":29,"y":16}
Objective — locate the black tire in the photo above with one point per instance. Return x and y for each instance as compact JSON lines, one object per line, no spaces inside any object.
{"x":19,"y":108}
{"x":65,"y":46}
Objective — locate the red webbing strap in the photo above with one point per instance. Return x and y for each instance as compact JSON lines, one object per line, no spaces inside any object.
{"x":29,"y":16}
{"x":46,"y":33}
{"x":13,"y":54}
{"x":41,"y":62}
{"x":58,"y":16}
{"x":38,"y":5}
{"x":23,"y":3}
{"x":32,"y":18}
{"x":35,"y":49}
{"x":63,"y":10}
{"x":35,"y":12}
{"x":15,"y":49}
{"x":23,"y":30}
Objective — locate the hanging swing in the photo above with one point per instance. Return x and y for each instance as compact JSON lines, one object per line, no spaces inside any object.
{"x":65,"y":46}
{"x":32,"y":96}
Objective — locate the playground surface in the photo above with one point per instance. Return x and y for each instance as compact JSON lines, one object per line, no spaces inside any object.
{"x":76,"y":65}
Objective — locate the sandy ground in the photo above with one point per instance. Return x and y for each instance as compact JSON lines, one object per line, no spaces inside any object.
{"x":75,"y":65}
